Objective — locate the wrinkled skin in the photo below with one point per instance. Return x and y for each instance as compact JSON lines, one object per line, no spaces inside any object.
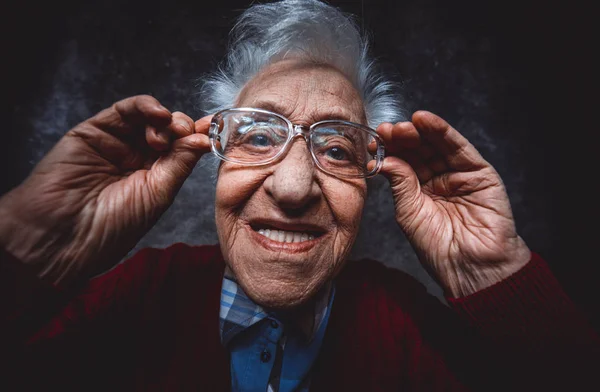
{"x":449,"y":201}
{"x":291,"y":192}
{"x":100,"y":189}
{"x":452,"y":205}
{"x":108,"y":180}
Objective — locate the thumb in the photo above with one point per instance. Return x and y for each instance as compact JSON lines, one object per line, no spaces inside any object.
{"x":405,"y":185}
{"x":174,"y":168}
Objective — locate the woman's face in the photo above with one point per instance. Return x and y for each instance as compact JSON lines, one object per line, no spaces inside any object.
{"x":291,"y":197}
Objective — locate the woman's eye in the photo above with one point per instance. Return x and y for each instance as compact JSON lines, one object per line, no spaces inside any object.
{"x":336,"y":153}
{"x":259,"y":140}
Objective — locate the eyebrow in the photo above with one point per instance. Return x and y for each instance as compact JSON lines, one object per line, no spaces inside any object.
{"x":271,"y":107}
{"x":278,"y":108}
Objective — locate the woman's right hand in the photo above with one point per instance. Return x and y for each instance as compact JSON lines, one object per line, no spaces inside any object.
{"x":101,"y":188}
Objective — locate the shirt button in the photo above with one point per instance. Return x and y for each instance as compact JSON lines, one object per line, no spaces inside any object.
{"x":265,"y":356}
{"x":274,"y":324}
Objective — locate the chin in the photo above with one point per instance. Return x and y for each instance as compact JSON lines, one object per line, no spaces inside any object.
{"x":279,"y":274}
{"x":281,"y":294}
{"x":283,"y":297}
{"x":282,"y":302}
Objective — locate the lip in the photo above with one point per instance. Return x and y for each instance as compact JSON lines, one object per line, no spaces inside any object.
{"x":287,"y":247}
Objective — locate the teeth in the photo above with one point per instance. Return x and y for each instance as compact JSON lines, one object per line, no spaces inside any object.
{"x":286,"y":236}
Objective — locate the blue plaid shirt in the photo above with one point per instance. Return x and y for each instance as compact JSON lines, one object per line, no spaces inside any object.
{"x":266,"y":354}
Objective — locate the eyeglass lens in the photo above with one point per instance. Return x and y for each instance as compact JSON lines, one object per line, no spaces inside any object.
{"x":255,"y":137}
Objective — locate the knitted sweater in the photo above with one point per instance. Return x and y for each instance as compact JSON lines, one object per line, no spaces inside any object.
{"x":152,"y":324}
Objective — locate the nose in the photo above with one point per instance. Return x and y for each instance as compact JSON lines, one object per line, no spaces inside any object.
{"x":292,"y":183}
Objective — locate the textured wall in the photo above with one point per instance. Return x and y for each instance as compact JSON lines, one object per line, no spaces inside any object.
{"x":509,"y":79}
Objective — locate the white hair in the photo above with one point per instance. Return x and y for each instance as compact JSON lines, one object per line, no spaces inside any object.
{"x":308,"y":30}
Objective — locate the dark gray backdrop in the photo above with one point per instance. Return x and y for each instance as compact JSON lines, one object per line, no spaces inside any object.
{"x":513,"y":78}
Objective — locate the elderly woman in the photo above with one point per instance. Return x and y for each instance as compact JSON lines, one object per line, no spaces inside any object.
{"x":298,"y":120}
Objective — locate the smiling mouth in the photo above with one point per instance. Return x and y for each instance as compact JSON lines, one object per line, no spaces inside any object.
{"x":292,"y":234}
{"x":286,"y":236}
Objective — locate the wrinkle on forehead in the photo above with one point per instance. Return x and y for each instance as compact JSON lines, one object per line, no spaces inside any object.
{"x":304,"y":92}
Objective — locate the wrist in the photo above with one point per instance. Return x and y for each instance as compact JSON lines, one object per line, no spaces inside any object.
{"x":469,"y":277}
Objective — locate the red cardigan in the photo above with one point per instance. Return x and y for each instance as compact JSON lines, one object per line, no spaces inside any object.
{"x":151,"y":324}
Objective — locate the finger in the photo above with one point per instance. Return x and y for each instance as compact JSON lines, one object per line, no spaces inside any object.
{"x":384,"y":130}
{"x":407,"y":144}
{"x":157,"y":140}
{"x":173,"y":168}
{"x":405,"y":185}
{"x":405,"y":135}
{"x":203,"y":125}
{"x":123,"y":116}
{"x":181,"y":125}
{"x":403,"y":140}
{"x":458,"y":152}
{"x":400,"y":174}
{"x":399,"y":136}
{"x":143,"y":109}
{"x":422,"y":169}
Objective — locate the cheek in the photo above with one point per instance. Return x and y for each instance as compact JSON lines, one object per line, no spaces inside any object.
{"x":346,"y":200}
{"x":235,"y":186}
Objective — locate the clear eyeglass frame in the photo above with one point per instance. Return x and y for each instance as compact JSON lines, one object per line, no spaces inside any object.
{"x":294,"y":131}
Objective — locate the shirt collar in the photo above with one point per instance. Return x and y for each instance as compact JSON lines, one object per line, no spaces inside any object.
{"x":238,"y":312}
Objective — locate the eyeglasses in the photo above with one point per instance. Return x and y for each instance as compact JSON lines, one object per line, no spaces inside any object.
{"x":254,"y":137}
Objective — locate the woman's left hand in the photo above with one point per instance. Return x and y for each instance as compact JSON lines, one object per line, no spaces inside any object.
{"x":451,"y":204}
